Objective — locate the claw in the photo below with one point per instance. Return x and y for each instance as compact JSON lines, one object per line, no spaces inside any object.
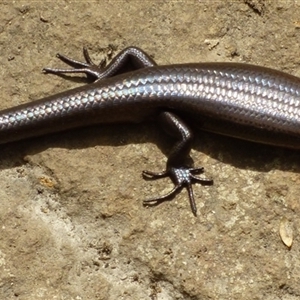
{"x":87,"y":56}
{"x":155,"y":175}
{"x":199,"y":170}
{"x":88,"y":67}
{"x":182,"y":177}
{"x":164,"y":197}
{"x":102,"y":63}
{"x":72,"y":62}
{"x":192,"y":199}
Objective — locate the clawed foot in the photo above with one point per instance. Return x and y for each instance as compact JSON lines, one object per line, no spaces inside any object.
{"x":182,"y":177}
{"x":88,"y":67}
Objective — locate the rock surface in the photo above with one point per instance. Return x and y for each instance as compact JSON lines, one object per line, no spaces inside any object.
{"x":72,"y":221}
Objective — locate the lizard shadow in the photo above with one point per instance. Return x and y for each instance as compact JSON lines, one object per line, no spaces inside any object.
{"x":238,"y":153}
{"x":247,"y":155}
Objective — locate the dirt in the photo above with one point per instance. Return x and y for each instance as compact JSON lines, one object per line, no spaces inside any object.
{"x":72,"y":221}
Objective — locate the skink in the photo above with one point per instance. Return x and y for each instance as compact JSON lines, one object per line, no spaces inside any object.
{"x":240,"y":100}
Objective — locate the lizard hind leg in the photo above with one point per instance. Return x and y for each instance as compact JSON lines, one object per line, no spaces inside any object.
{"x":131,"y":58}
{"x":181,"y":176}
